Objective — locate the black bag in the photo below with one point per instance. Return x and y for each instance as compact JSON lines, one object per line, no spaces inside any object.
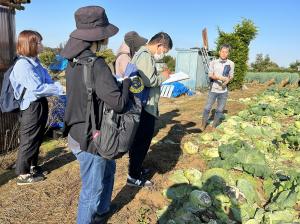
{"x":225,"y":73}
{"x":8,"y":103}
{"x":117,"y":131}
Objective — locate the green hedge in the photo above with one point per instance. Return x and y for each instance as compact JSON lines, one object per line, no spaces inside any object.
{"x":263,"y":77}
{"x":239,"y":41}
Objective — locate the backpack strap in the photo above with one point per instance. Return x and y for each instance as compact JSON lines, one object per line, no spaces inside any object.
{"x":24,"y":89}
{"x":121,"y":53}
{"x":87,"y":75}
{"x":137,"y":55}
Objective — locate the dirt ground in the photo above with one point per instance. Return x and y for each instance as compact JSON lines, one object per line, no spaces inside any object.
{"x":55,"y":199}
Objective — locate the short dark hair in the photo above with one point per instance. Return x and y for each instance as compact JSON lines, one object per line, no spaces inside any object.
{"x":162,"y":38}
{"x":227,"y":46}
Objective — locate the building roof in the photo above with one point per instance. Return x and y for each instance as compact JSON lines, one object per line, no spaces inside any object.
{"x":14,"y":4}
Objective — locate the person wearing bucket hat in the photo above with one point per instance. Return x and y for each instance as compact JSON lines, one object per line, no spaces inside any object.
{"x":132,"y":43}
{"x":97,"y":174}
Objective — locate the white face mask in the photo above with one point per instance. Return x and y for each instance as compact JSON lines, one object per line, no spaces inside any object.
{"x":102,"y":47}
{"x":158,"y":57}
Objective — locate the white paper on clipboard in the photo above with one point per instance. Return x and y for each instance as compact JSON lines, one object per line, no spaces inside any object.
{"x":179,"y":76}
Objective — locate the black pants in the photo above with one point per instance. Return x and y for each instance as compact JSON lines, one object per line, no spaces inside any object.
{"x":141,"y":144}
{"x":32,"y":128}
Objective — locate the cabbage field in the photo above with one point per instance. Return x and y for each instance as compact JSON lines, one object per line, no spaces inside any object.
{"x":253,"y":167}
{"x":263,"y":77}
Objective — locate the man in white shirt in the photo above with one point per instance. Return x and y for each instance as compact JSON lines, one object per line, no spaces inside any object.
{"x":220,"y":73}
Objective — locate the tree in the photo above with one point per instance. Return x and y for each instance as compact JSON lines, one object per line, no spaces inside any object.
{"x":264,"y":64}
{"x":47,"y":56}
{"x":239,"y":41}
{"x":170,"y":62}
{"x":295,"y":65}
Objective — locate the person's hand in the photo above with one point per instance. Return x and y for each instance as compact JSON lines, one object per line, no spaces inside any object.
{"x":61,"y":88}
{"x":224,"y":79}
{"x":226,"y":82}
{"x":166,"y":73}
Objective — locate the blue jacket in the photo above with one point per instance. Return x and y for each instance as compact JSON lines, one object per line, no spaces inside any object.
{"x":35,"y":79}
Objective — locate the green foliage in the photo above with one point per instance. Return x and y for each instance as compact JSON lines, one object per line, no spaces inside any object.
{"x":200,"y":199}
{"x":277,"y":217}
{"x":239,"y":41}
{"x":170,"y":62}
{"x":263,"y":77}
{"x":254,"y":177}
{"x":242,"y":155}
{"x":292,"y":138}
{"x":178,"y":177}
{"x":294,"y":66}
{"x":47,"y":56}
{"x":144,"y":215}
{"x":263,"y":64}
{"x":108,"y":55}
{"x":248,"y":190}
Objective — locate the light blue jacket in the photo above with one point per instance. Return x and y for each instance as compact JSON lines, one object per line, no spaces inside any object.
{"x":35,"y":79}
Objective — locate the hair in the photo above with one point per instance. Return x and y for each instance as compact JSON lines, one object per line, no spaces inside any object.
{"x":163,"y":39}
{"x":227,"y":46}
{"x":27,"y":44}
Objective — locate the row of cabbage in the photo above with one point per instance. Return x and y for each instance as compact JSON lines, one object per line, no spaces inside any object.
{"x":253,"y":173}
{"x":263,"y":77}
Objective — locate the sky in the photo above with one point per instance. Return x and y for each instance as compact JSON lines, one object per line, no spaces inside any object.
{"x":278,"y":22}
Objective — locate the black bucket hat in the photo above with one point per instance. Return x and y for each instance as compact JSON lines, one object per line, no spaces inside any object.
{"x":92,"y":24}
{"x":133,"y":39}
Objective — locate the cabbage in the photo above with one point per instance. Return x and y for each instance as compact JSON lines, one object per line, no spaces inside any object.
{"x":178,"y":177}
{"x":244,"y":212}
{"x":161,"y":212}
{"x":248,"y":191}
{"x":264,"y":146}
{"x":266,"y":120}
{"x":211,"y":152}
{"x":297,"y":125}
{"x":177,"y":191}
{"x":253,"y":221}
{"x":215,"y":174}
{"x":269,"y":187}
{"x":284,"y":216}
{"x":285,"y":199}
{"x":200,"y":199}
{"x":245,"y":125}
{"x":222,"y":203}
{"x":231,"y":122}
{"x":276,"y":126}
{"x":187,"y":218}
{"x":207,"y":137}
{"x":194,"y":177}
{"x":229,"y":131}
{"x":190,"y":148}
{"x":211,"y":221}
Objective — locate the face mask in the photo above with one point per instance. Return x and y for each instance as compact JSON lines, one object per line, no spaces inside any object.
{"x":158,"y":57}
{"x":101,"y":47}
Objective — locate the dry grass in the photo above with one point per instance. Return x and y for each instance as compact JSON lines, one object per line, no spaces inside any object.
{"x":55,"y":199}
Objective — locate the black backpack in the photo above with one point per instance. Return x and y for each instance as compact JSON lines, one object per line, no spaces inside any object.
{"x":8,"y":103}
{"x":117,"y":130}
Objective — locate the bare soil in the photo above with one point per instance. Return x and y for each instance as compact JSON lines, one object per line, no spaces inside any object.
{"x":55,"y":199}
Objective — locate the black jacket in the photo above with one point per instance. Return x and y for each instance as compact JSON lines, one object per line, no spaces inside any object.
{"x":106,"y":90}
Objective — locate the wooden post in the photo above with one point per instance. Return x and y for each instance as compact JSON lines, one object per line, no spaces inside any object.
{"x":205,"y":38}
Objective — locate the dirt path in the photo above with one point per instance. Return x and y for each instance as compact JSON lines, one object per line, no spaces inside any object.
{"x":55,"y":200}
